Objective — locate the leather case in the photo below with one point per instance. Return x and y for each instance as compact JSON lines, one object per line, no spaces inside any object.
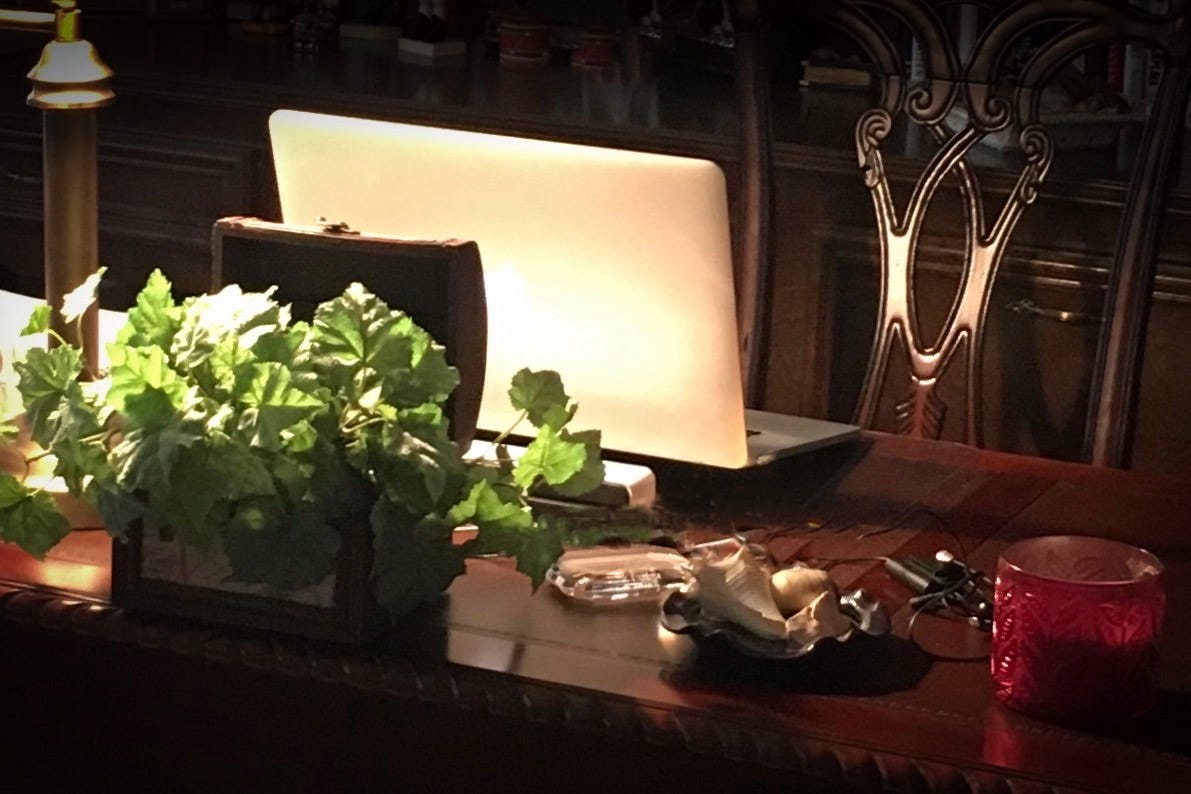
{"x":438,"y":284}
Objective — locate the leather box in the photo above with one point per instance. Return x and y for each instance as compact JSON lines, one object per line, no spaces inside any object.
{"x":438,"y":284}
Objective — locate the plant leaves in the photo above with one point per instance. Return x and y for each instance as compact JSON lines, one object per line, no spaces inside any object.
{"x":591,"y":475}
{"x":429,"y":378}
{"x":542,"y":396}
{"x":208,"y":319}
{"x":79,"y":452}
{"x":507,"y":526}
{"x":275,"y":405}
{"x":552,"y":456}
{"x":356,"y":330}
{"x":119,"y":510}
{"x":155,"y":318}
{"x":45,"y":377}
{"x":410,"y":470}
{"x":79,"y":299}
{"x":39,"y":321}
{"x":145,"y":389}
{"x":28,"y":518}
{"x":486,"y":508}
{"x":413,"y":560}
{"x":197,"y":480}
{"x":285,"y":346}
{"x":230,"y":366}
{"x":286,"y":555}
{"x":144,"y":459}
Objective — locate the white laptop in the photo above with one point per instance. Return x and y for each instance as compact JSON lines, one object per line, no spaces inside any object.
{"x":612,"y":267}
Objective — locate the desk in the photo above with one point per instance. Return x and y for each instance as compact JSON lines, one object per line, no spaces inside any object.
{"x":499,"y":685}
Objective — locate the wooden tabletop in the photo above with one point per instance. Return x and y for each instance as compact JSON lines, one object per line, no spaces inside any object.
{"x":568,"y":688}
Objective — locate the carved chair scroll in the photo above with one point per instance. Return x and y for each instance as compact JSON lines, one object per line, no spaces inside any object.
{"x":996,"y":98}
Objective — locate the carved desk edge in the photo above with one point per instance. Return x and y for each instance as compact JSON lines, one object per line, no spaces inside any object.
{"x":505,"y":695}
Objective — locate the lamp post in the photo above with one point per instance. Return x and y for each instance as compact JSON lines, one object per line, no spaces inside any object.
{"x":69,"y":83}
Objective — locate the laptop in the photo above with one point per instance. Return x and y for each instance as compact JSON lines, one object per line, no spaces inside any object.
{"x":612,"y":267}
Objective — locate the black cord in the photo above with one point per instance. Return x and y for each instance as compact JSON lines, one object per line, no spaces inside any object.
{"x":910,"y":635}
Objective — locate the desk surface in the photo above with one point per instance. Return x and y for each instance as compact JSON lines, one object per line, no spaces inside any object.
{"x":870,"y":713}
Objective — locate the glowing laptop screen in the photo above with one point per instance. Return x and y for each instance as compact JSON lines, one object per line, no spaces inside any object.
{"x":612,"y":267}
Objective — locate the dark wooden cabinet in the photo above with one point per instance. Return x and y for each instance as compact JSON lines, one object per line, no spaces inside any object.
{"x":186,"y":143}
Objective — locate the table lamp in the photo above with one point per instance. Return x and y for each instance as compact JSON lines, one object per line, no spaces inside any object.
{"x":69,"y":82}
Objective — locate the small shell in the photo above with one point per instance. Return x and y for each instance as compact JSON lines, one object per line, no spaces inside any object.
{"x":736,"y":588}
{"x":794,"y":589}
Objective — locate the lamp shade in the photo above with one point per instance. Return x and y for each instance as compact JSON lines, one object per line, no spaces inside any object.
{"x":70,"y":75}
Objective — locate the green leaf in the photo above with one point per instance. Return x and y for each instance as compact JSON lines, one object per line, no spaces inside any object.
{"x":145,"y":389}
{"x":144,"y":459}
{"x":45,"y":377}
{"x":39,"y":321}
{"x":274,"y":405}
{"x":485,"y":507}
{"x":299,"y":437}
{"x":29,"y":518}
{"x":358,"y":329}
{"x":118,"y":509}
{"x":285,"y":555}
{"x":506,"y":526}
{"x":414,"y":560}
{"x":197,"y":480}
{"x":230,"y":367}
{"x":592,"y":473}
{"x":77,"y":444}
{"x":410,"y":470}
{"x":79,"y":299}
{"x":542,"y":396}
{"x":245,"y":473}
{"x":551,"y":456}
{"x":429,"y":379}
{"x":208,"y":319}
{"x":286,"y":346}
{"x":536,"y":553}
{"x":155,"y":318}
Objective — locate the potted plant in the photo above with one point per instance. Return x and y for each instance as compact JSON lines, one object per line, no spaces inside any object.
{"x":237,"y":452}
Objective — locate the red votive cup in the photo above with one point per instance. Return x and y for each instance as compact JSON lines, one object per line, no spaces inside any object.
{"x":1075,"y":629}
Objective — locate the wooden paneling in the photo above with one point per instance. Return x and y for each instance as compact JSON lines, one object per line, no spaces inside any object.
{"x":159,"y":196}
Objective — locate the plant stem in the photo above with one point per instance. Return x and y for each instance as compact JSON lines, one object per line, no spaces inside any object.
{"x":374,"y":420}
{"x":61,"y":339}
{"x":91,"y":374}
{"x":500,"y":439}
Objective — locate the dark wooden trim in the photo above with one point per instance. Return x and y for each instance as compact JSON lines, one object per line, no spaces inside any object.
{"x":754,"y":244}
{"x":1116,"y":380}
{"x":463,"y":690}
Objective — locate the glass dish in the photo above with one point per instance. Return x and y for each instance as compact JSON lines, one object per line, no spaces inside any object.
{"x":615,"y":576}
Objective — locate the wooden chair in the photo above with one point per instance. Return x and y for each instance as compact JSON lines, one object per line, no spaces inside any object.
{"x":993,"y":99}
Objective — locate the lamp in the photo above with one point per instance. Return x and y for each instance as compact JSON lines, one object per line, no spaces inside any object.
{"x":69,"y":82}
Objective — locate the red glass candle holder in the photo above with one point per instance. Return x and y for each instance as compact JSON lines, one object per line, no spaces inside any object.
{"x":1075,"y":629}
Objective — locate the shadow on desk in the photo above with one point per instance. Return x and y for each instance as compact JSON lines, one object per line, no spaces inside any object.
{"x":762,"y":492}
{"x":863,"y":666}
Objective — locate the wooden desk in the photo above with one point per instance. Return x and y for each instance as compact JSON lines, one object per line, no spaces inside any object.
{"x":497,"y":685}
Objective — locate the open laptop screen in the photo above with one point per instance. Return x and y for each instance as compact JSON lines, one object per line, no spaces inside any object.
{"x":612,"y":267}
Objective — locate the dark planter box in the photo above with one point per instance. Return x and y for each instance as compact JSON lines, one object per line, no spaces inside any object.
{"x":342,"y":609}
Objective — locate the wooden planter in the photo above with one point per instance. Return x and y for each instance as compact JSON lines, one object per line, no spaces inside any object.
{"x":158,"y":577}
{"x":440,"y":286}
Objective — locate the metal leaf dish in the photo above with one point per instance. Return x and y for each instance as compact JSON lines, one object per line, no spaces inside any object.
{"x":683,"y":614}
